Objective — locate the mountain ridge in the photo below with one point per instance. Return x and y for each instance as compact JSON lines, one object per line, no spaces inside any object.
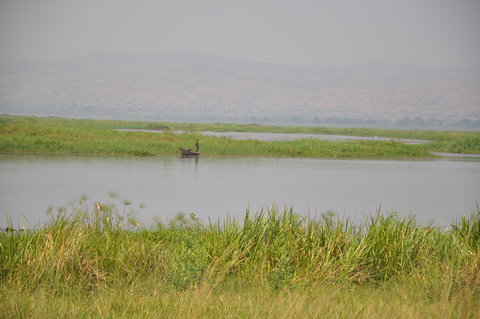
{"x":202,"y":87}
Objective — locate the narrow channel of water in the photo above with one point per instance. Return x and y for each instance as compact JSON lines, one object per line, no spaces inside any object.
{"x":270,"y":137}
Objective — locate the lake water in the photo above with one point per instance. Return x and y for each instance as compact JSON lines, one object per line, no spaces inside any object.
{"x":438,"y":190}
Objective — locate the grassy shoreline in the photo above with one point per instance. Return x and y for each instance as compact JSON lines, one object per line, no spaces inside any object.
{"x":66,"y":136}
{"x":92,"y":261}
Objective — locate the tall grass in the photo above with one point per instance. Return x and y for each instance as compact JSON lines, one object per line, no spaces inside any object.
{"x":99,"y":249}
{"x":456,"y":144}
{"x":153,"y":300}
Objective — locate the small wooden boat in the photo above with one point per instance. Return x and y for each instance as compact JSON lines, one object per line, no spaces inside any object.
{"x":189,"y":152}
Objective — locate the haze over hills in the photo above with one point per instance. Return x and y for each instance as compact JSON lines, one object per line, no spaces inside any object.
{"x":198,"y":87}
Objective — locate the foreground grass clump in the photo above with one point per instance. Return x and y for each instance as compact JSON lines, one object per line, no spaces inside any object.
{"x":97,"y":262}
{"x":64,"y":136}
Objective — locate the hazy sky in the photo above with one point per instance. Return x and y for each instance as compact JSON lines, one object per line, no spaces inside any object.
{"x":423,"y":32}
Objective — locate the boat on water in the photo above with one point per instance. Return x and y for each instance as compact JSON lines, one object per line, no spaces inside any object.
{"x":189,"y":152}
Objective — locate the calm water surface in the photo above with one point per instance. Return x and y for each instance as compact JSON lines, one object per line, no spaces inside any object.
{"x":438,"y":190}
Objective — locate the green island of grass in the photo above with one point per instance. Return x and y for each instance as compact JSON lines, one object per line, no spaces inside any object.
{"x":69,"y":136}
{"x":92,"y":261}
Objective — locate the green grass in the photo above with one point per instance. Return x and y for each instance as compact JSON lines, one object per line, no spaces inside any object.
{"x":152,"y":300}
{"x":456,"y":144}
{"x":64,"y":136}
{"x":96,"y":261}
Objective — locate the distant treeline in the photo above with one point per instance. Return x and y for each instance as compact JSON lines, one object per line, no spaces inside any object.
{"x":134,"y":113}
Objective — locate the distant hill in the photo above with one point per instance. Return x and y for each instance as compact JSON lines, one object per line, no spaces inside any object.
{"x":198,"y":87}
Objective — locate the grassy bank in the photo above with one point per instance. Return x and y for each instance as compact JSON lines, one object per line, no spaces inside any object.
{"x":91,"y":261}
{"x":63,"y":136}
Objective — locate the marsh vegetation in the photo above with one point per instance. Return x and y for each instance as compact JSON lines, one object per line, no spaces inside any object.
{"x":63,"y":136}
{"x":94,"y":259}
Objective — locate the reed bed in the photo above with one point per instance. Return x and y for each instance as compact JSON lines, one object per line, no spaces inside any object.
{"x":95,"y":260}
